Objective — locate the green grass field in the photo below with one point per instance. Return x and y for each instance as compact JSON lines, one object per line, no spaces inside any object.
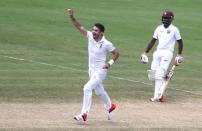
{"x":43,"y":58}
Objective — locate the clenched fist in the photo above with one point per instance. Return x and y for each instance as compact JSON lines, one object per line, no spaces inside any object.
{"x":70,"y":12}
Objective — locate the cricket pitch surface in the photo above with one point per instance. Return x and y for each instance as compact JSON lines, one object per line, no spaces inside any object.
{"x":136,"y":114}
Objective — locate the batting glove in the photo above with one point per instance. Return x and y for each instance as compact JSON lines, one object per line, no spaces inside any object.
{"x":178,"y":60}
{"x":144,"y":59}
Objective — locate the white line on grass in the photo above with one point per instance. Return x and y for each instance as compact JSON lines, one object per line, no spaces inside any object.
{"x":43,"y":63}
{"x":114,"y":77}
{"x":120,"y":78}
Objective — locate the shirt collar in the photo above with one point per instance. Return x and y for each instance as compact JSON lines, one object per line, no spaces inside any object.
{"x":102,"y":40}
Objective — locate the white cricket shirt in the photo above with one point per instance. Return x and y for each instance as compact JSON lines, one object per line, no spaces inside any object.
{"x":97,"y":51}
{"x":167,"y":37}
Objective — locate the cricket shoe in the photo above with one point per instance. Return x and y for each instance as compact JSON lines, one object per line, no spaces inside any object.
{"x":80,"y":117}
{"x":109,"y":113}
{"x":153,"y":99}
{"x":113,"y":107}
{"x":162,"y":99}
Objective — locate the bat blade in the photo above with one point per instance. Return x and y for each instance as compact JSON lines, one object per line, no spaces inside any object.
{"x":170,"y":73}
{"x":167,"y":80}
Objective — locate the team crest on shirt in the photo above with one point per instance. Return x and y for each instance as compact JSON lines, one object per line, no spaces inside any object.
{"x":168,"y":31}
{"x":100,"y":45}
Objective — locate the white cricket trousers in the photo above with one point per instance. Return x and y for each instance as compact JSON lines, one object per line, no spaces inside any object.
{"x":160,"y":63}
{"x":96,"y":77}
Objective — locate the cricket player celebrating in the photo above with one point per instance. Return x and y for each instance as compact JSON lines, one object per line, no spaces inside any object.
{"x":98,"y":47}
{"x":167,"y":35}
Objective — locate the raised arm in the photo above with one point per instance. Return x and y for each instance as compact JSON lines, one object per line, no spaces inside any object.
{"x":76,"y":23}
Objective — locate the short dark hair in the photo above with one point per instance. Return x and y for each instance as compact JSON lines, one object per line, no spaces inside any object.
{"x":100,"y":26}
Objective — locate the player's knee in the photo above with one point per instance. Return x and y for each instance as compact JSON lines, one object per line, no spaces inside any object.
{"x":87,"y":88}
{"x":87,"y":92}
{"x":151,"y":75}
{"x":160,"y":74}
{"x":91,"y":84}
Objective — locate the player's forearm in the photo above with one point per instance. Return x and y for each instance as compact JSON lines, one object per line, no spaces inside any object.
{"x":75,"y":22}
{"x":78,"y":25}
{"x":115,"y":55}
{"x":150,"y":45}
{"x":180,"y":46}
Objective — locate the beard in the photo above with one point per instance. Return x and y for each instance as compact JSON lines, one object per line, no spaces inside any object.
{"x":95,"y":36}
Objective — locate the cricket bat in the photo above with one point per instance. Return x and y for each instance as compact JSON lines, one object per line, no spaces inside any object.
{"x":167,"y":79}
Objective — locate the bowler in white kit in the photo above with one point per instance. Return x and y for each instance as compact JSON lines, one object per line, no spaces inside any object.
{"x":167,"y":34}
{"x":98,"y":48}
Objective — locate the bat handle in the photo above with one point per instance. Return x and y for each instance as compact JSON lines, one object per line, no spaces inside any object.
{"x":173,"y":67}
